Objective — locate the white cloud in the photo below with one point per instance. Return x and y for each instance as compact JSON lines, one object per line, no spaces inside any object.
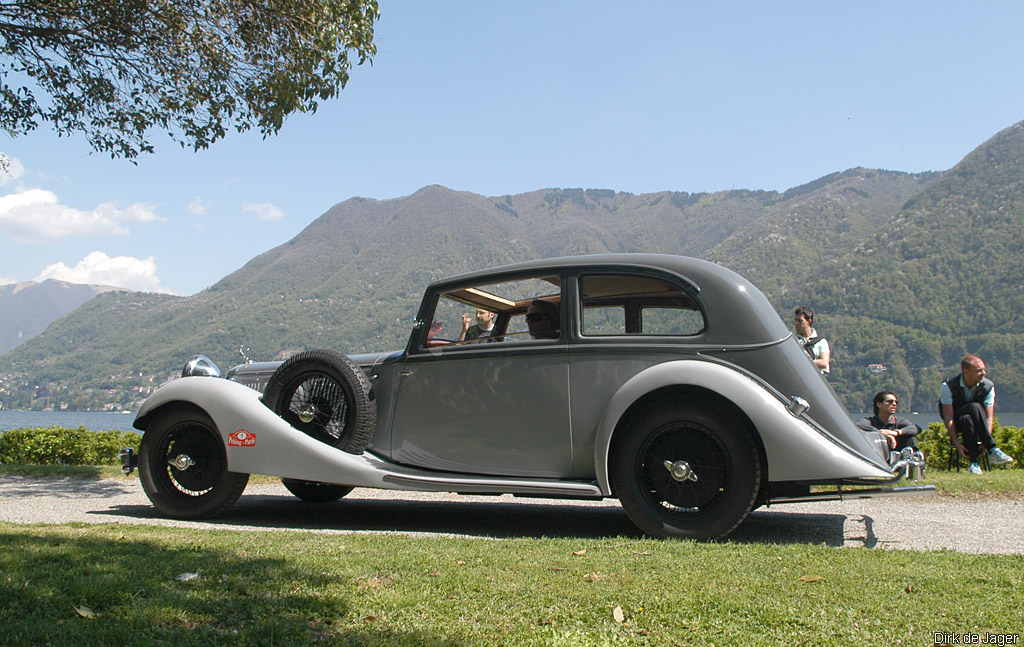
{"x":198,"y":207}
{"x":36,"y":216}
{"x":99,"y":269}
{"x":7,"y":280}
{"x":264,"y":211}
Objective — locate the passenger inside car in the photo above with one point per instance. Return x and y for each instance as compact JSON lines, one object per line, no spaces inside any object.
{"x":542,"y":317}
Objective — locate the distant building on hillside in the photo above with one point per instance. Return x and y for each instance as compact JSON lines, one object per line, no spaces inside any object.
{"x":877,"y":369}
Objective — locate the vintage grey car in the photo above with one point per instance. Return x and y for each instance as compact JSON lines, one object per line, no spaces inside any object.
{"x":669,"y":383}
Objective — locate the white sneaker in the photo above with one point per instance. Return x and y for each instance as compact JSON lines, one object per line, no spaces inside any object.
{"x":974,"y":468}
{"x":997,"y":456}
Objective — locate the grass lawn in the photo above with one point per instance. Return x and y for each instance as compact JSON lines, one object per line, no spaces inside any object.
{"x":148,"y":585}
{"x":111,"y":584}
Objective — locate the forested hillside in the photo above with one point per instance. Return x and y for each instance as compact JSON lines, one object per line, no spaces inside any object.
{"x":906,"y":271}
{"x":943,"y":278}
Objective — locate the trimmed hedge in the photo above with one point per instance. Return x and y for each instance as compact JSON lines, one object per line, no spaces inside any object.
{"x":934,"y":442}
{"x":63,"y":446}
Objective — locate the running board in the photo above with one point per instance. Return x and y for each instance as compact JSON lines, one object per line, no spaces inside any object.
{"x":495,"y":485}
{"x":845,"y":495}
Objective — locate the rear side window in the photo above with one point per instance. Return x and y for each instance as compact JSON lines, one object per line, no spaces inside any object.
{"x":631,"y":304}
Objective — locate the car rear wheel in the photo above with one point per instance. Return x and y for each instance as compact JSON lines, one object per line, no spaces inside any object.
{"x":183,"y":466}
{"x":316,"y":492}
{"x":686,"y":470}
{"x":326,"y":396}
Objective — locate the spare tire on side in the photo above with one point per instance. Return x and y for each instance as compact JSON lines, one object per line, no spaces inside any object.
{"x":326,"y":396}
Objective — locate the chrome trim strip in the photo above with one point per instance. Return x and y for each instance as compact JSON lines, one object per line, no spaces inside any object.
{"x":478,"y":485}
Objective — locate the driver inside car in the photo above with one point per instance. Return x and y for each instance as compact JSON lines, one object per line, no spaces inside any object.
{"x":483,"y":328}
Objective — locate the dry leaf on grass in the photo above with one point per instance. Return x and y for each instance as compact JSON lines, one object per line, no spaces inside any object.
{"x":619,"y":614}
{"x":811,"y":578}
{"x":85,"y":611}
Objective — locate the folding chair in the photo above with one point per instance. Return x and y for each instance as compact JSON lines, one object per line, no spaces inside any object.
{"x":954,"y":458}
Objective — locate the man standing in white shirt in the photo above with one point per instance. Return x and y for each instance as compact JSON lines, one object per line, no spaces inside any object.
{"x":813,"y":344}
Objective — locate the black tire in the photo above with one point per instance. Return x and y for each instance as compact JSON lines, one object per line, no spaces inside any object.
{"x":198,"y":487}
{"x":331,"y":392}
{"x":702,"y":437}
{"x":316,"y":492}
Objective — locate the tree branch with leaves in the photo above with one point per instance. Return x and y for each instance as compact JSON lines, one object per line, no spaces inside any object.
{"x":118,"y":70}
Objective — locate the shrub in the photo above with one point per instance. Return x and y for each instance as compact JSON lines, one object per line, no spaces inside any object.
{"x":62,"y":446}
{"x":934,"y":442}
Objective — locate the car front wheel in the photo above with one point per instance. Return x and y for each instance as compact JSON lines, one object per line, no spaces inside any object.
{"x":183,"y":466}
{"x":686,"y":469}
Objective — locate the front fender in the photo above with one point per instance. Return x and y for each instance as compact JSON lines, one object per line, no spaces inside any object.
{"x":269,"y":445}
{"x":795,"y":449}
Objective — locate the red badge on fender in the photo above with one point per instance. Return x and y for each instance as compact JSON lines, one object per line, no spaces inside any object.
{"x":242,"y":438}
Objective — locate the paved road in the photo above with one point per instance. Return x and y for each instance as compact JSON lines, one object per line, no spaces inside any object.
{"x":918,"y":523}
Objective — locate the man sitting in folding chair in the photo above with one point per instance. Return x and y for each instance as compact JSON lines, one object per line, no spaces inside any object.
{"x":967,"y":403}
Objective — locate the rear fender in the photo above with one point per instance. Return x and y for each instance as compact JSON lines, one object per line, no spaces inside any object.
{"x":794,"y":448}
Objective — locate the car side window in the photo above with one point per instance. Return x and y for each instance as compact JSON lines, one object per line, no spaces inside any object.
{"x":604,"y":320}
{"x":503,"y":312}
{"x":634,"y":304}
{"x":670,"y":321}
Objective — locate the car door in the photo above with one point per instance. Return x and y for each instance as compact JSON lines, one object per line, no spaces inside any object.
{"x":496,"y":407}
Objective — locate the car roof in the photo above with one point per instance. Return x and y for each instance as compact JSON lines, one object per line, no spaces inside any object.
{"x":735,"y":310}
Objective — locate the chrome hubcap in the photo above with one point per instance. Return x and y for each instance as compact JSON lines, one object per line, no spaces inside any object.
{"x":307,"y":412}
{"x":680,"y":471}
{"x":182,"y":462}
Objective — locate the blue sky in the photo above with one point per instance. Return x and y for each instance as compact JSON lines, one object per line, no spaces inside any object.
{"x":498,"y":98}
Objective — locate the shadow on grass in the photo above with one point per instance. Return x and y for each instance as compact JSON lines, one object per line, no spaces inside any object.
{"x":496,"y":518}
{"x":131,"y":590}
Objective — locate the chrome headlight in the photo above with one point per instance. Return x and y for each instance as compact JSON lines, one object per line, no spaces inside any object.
{"x":200,"y":365}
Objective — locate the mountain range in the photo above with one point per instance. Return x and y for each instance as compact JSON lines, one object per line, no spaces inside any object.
{"x":907,"y":272}
{"x":26,"y":309}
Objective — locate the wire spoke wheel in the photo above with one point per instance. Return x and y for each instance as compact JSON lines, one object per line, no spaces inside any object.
{"x":323,"y":394}
{"x":318,"y":406}
{"x":193,"y":460}
{"x":706,"y":459}
{"x":686,"y":468}
{"x":183,"y":465}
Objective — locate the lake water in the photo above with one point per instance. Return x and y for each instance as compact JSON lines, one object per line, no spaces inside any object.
{"x":102,"y":421}
{"x":91,"y":420}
